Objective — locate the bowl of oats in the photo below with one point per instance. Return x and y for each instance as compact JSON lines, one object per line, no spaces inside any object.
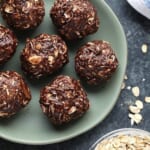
{"x":123,"y":139}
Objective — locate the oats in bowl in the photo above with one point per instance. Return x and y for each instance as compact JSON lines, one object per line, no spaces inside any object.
{"x":124,"y":139}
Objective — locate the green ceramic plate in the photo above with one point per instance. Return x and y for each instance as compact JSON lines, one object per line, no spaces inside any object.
{"x":30,"y":126}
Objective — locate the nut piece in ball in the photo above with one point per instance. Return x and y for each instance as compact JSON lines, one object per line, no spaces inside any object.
{"x":14,"y":92}
{"x":8,"y":44}
{"x":75,"y":19}
{"x":63,"y":100}
{"x":96,"y":62}
{"x":43,"y":55}
{"x":23,"y":14}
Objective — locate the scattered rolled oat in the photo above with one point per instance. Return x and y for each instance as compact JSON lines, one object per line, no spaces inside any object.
{"x":126,"y":77}
{"x":143,"y":79}
{"x":137,"y":118}
{"x":136,"y":91}
{"x":123,"y":85}
{"x":144,"y":48}
{"x":134,"y":109}
{"x":125,"y":142}
{"x":132,"y":122}
{"x":132,"y":118}
{"x":147,"y":99}
{"x":139,"y":104}
{"x":129,"y":88}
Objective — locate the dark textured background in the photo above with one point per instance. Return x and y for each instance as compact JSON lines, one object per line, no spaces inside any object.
{"x":137,"y":29}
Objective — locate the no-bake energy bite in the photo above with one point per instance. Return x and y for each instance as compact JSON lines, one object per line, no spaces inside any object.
{"x":23,"y":14}
{"x":8,"y":44}
{"x":74,"y":19}
{"x":43,"y":55}
{"x":96,"y":62}
{"x":14,"y":93}
{"x":63,"y":100}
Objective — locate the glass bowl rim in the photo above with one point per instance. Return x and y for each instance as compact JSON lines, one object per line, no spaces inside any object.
{"x":126,"y":131}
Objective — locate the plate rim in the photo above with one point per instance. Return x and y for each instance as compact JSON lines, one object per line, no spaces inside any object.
{"x":69,"y":137}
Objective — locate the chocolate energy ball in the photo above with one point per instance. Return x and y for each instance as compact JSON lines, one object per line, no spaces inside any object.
{"x":63,"y":100}
{"x":43,"y":55}
{"x":23,"y":14}
{"x":74,"y":19}
{"x":96,"y":62}
{"x":8,"y":44}
{"x":14,"y":92}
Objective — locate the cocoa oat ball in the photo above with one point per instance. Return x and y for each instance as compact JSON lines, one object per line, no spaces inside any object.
{"x":14,"y":93}
{"x":8,"y":44}
{"x":96,"y":62}
{"x":43,"y":55}
{"x":74,"y":19}
{"x":23,"y":14}
{"x":63,"y":100}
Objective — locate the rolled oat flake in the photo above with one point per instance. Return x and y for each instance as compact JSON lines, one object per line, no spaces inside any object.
{"x":142,"y":6}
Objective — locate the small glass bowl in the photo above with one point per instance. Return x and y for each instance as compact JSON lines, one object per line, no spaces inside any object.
{"x":124,"y":131}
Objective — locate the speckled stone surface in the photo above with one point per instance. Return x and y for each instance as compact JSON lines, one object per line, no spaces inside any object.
{"x":137,"y":29}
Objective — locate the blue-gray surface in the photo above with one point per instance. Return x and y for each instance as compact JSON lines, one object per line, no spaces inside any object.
{"x":137,"y":29}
